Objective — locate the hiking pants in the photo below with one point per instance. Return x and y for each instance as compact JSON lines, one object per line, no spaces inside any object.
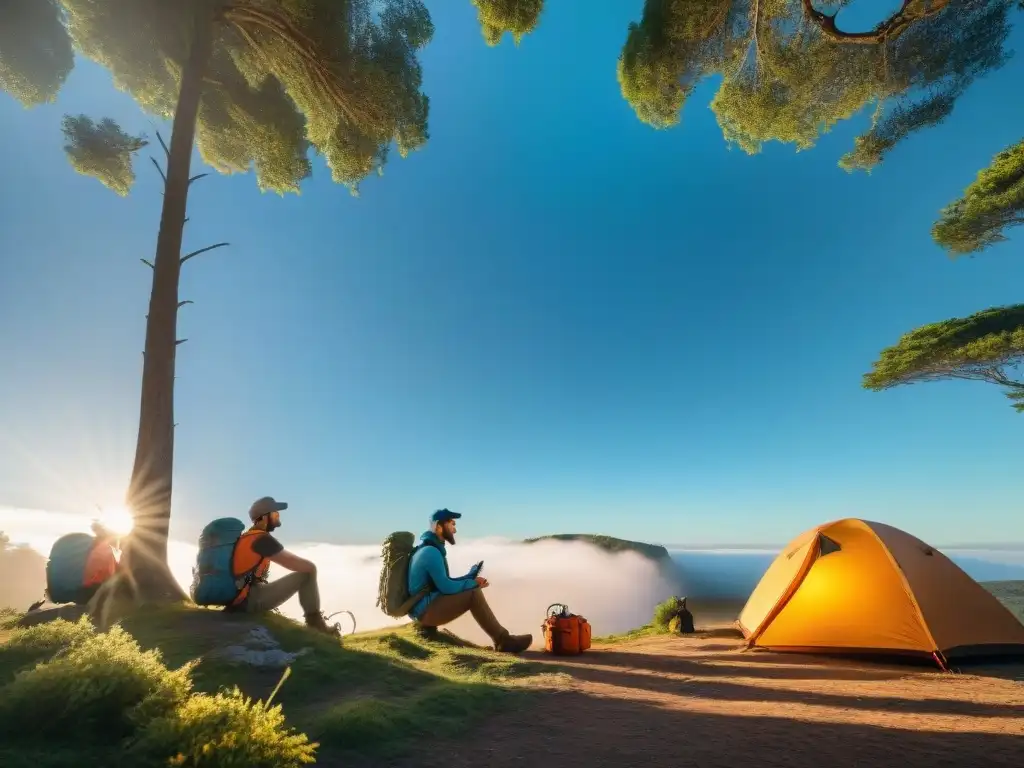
{"x":267,"y":597}
{"x":445,"y":609}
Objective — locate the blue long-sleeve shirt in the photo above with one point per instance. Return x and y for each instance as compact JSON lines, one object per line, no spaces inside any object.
{"x":429,"y":566}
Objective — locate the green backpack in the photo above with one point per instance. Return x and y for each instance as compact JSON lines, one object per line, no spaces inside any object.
{"x":393,"y":591}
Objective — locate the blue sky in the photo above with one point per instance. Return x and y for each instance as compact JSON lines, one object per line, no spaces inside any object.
{"x":552,"y":318}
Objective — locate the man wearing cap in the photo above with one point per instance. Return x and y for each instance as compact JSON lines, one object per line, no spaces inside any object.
{"x":450,"y":598}
{"x":256,"y":550}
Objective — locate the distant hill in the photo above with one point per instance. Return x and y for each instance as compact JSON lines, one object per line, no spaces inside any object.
{"x":654,"y":552}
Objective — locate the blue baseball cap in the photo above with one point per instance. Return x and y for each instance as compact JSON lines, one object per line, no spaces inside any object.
{"x":443,"y":516}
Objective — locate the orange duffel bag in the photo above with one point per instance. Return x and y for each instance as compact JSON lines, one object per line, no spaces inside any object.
{"x":565,"y":634}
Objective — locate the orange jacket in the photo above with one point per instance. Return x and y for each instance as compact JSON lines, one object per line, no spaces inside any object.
{"x":246,"y":563}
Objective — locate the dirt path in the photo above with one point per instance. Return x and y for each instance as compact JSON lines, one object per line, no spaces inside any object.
{"x":699,"y":701}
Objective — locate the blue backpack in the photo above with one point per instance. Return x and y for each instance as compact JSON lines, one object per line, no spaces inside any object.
{"x":213,"y":579}
{"x":65,"y":569}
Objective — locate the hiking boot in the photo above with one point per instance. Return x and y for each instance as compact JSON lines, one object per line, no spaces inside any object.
{"x":316,"y":621}
{"x":513,"y":643}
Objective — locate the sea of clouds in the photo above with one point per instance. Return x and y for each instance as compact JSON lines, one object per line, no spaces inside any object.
{"x":616,"y":592}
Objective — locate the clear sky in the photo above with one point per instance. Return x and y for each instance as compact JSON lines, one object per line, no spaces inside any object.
{"x":552,"y":318}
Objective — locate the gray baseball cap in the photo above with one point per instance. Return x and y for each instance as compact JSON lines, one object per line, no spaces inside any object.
{"x":265,"y":506}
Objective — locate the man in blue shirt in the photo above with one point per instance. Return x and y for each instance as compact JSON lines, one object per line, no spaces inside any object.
{"x":450,"y":598}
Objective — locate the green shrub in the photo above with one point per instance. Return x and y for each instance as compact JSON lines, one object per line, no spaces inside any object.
{"x":663,"y":613}
{"x":100,"y":689}
{"x":27,"y":647}
{"x":225,"y":730}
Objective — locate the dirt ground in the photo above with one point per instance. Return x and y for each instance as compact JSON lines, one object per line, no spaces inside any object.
{"x":700,"y":701}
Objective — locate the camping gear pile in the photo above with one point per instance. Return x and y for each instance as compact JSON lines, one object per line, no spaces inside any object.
{"x":565,"y":633}
{"x":77,"y":561}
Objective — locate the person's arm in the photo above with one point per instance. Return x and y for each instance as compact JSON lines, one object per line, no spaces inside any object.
{"x":269,"y":547}
{"x":434,"y":566}
{"x":292,"y":562}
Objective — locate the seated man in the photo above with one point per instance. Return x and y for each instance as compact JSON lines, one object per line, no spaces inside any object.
{"x":450,"y":598}
{"x":256,"y":550}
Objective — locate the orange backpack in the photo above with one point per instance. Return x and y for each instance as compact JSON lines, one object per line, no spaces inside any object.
{"x":565,"y":634}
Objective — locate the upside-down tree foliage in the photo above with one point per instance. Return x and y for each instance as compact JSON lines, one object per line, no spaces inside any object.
{"x":991,"y":204}
{"x":986,"y":346}
{"x":791,"y":70}
{"x":255,"y":84}
{"x":517,"y":17}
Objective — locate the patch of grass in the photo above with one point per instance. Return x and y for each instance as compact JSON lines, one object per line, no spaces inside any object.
{"x":26,"y":647}
{"x":648,"y":630}
{"x":663,"y":613}
{"x":376,"y":691}
{"x":381,"y":691}
{"x":83,"y":697}
{"x":8,"y":618}
{"x":386,"y":726}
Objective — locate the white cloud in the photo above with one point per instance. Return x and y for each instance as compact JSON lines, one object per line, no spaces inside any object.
{"x":615,"y":592}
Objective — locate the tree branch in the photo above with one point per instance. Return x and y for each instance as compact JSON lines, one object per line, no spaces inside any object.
{"x":910,"y":12}
{"x":147,"y":263}
{"x":183,"y":303}
{"x":197,"y":177}
{"x":163,"y":144}
{"x":188,"y":256}
{"x":159,"y":170}
{"x":179,"y":342}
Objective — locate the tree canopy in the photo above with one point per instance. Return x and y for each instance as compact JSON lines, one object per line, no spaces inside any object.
{"x":256,"y":84}
{"x":35,"y":51}
{"x":517,"y":17}
{"x":285,"y":76}
{"x":789,"y":73}
{"x":993,"y":202}
{"x":102,"y":151}
{"x":985,"y":346}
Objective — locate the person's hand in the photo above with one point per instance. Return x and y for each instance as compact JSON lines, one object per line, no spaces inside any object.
{"x":481,"y":582}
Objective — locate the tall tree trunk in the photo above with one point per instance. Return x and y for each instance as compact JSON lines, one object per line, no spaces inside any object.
{"x":149,"y":494}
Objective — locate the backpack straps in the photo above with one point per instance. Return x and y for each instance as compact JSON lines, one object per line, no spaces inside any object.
{"x":246,"y":577}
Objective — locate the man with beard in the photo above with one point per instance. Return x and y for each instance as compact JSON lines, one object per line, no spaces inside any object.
{"x":255,"y":550}
{"x":448,"y":598}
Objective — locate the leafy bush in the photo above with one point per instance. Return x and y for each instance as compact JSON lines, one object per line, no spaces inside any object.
{"x":26,"y":647}
{"x":663,"y":613}
{"x":100,"y":689}
{"x":225,"y":730}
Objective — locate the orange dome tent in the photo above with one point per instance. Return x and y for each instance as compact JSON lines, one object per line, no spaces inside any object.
{"x":853,"y":586}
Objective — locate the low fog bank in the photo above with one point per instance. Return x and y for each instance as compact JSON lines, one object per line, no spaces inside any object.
{"x":22,"y":576}
{"x":614,"y":592}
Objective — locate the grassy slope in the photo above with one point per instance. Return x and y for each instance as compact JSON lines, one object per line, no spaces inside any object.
{"x":610,"y":544}
{"x":377,"y":693}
